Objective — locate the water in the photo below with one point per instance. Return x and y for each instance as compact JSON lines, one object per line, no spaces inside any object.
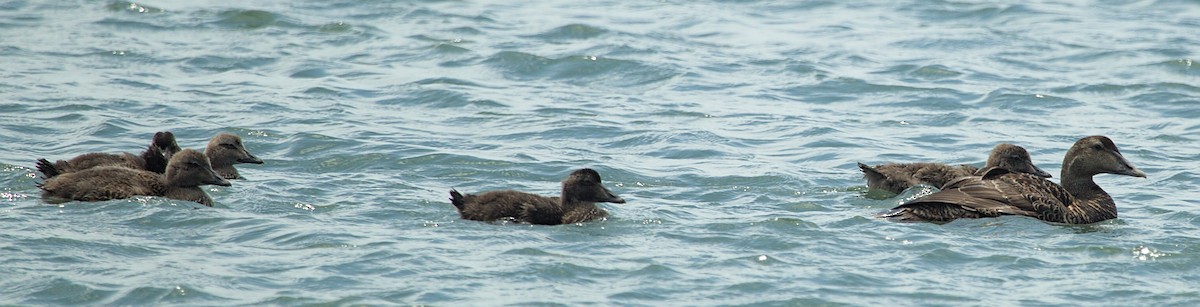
{"x":731,"y":127}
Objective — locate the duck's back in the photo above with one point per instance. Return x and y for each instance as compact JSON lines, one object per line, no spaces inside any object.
{"x":104,"y":183}
{"x":495,"y":205}
{"x":89,"y":161}
{"x":997,"y":192}
{"x":896,"y":177}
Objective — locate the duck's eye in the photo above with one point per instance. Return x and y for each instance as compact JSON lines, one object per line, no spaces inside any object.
{"x":193,"y":164}
{"x":230,"y":146}
{"x":1098,"y":147}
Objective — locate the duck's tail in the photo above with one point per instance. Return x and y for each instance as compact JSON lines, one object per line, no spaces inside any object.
{"x":871,"y":174}
{"x":48,"y":170}
{"x":456,"y":199}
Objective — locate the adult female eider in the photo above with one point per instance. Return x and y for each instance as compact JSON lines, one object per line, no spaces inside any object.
{"x":1002,"y":192}
{"x":896,"y":177}
{"x":153,"y":159}
{"x":225,"y":150}
{"x":577,"y":204}
{"x":186,"y":172}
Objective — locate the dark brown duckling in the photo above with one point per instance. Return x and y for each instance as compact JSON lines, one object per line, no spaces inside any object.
{"x":153,"y":159}
{"x":577,"y":204}
{"x":896,"y":177}
{"x":225,"y":150}
{"x":1003,"y":192}
{"x":186,"y":172}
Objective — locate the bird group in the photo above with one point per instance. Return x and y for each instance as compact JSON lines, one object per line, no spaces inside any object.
{"x":163,"y":169}
{"x":1008,"y":184}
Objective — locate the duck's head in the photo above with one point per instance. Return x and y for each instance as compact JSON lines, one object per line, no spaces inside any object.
{"x":1014,"y":158}
{"x":164,"y":142}
{"x":584,"y":185}
{"x":227,"y":149}
{"x":1096,"y":155}
{"x":190,"y":168}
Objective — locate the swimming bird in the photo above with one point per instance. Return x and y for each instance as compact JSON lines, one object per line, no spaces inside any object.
{"x":580,"y":192}
{"x":225,"y":150}
{"x":186,"y":172}
{"x":153,"y":159}
{"x":1000,"y":191}
{"x":896,"y":177}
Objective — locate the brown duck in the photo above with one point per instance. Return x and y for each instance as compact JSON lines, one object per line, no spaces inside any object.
{"x":896,"y":177}
{"x":580,"y":192}
{"x":1002,"y":192}
{"x":186,"y":172}
{"x":153,"y":159}
{"x":225,"y":150}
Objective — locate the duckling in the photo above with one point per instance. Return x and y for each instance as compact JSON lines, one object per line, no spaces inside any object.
{"x":577,"y":203}
{"x":153,"y":159}
{"x":896,"y":177}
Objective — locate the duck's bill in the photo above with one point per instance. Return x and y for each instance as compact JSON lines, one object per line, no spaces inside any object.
{"x":1041,"y":173}
{"x":1133,"y":172}
{"x":1128,"y":169}
{"x":612,"y":198}
{"x":217,"y":180}
{"x":250,"y":159}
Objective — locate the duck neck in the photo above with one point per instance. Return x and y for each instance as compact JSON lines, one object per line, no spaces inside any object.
{"x":1082,"y":187}
{"x":155,"y":162}
{"x":578,"y":211}
{"x":1078,"y":181}
{"x":570,"y":202}
{"x":1089,"y":203}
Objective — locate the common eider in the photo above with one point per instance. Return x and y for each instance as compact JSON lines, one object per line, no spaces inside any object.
{"x":580,"y":192}
{"x":153,"y":159}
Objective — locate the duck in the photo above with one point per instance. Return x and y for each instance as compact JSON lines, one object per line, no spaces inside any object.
{"x":1000,"y":191}
{"x":224,"y":150}
{"x":186,"y":172}
{"x":153,"y":159}
{"x":896,"y":177}
{"x":581,"y":190}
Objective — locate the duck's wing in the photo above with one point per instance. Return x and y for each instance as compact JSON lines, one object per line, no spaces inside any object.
{"x":495,"y":205}
{"x":104,"y":183}
{"x":541,"y":212}
{"x":997,"y":192}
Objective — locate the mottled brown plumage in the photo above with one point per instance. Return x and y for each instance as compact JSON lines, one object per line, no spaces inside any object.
{"x":225,"y":150}
{"x":153,"y":159}
{"x":580,"y":191}
{"x":1002,"y":192}
{"x":896,"y":177}
{"x":186,"y":172}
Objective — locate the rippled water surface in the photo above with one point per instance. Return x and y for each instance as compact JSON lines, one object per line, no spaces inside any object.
{"x":731,"y":127}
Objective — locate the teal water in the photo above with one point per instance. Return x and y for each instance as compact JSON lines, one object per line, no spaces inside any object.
{"x":731,"y":127}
